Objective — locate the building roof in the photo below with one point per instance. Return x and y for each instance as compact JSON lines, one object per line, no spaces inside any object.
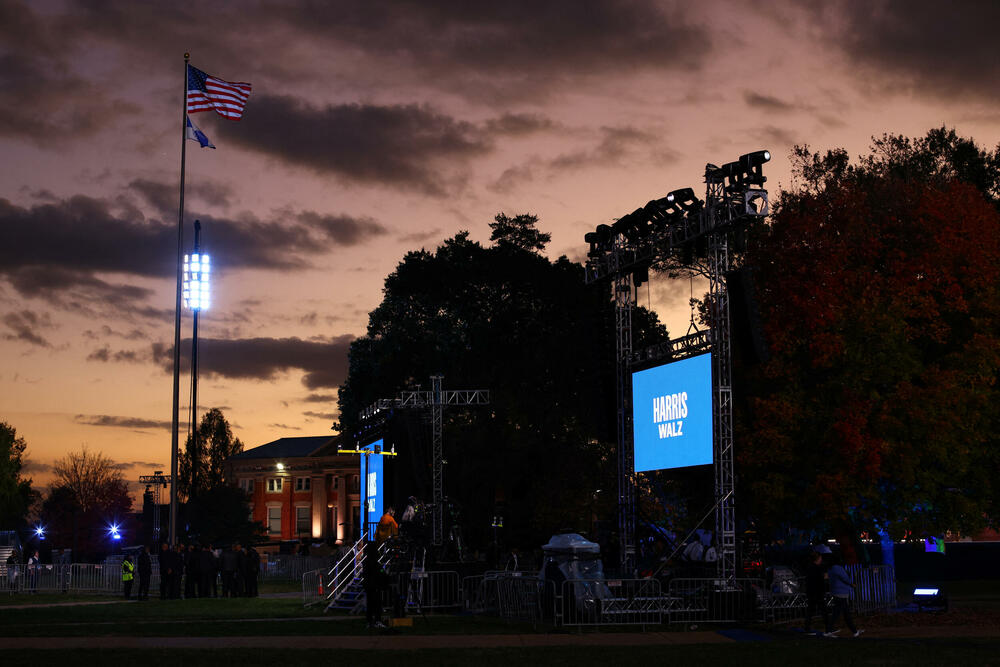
{"x":287,"y":448}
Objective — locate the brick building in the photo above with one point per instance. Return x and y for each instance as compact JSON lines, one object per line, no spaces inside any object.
{"x":300,"y":488}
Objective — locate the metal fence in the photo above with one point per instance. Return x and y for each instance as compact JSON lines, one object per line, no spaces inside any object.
{"x":290,"y":568}
{"x":433,"y":590}
{"x":643,"y":602}
{"x":313,"y":587}
{"x":610,"y":602}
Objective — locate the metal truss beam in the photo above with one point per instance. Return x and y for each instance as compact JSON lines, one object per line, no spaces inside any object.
{"x":433,"y":401}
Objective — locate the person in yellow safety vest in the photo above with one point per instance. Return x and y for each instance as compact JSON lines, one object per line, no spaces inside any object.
{"x":387,"y":526}
{"x":128,"y":574}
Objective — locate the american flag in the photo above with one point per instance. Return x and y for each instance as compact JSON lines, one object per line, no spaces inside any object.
{"x":206,"y":92}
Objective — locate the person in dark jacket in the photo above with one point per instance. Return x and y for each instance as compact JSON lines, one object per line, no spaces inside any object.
{"x":252,"y":571}
{"x":177,"y":560}
{"x":191,"y":572}
{"x":816,"y":591}
{"x":166,"y":570}
{"x":206,"y":571}
{"x":144,"y":567}
{"x":374,"y":582}
{"x":230,"y":562}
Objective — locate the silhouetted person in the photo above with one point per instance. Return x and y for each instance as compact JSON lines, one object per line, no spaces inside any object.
{"x":816,"y":592}
{"x":191,"y":572}
{"x":166,"y":570}
{"x":230,"y":561}
{"x":177,"y":560}
{"x":374,"y":582}
{"x":841,"y":588}
{"x":144,"y":568}
{"x":128,"y":575}
{"x":206,"y":571}
{"x":239,"y":577}
{"x":252,"y":571}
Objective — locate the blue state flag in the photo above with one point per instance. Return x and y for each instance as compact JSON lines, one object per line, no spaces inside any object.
{"x":194,"y":134}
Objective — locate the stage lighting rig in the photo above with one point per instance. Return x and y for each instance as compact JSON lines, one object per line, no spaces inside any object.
{"x":753,"y":166}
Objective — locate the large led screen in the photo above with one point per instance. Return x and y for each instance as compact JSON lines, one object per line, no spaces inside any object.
{"x":672,"y":414}
{"x":371,"y":486}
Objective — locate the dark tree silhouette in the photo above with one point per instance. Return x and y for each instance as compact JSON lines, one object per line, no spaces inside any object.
{"x":16,"y":494}
{"x":879,"y":290}
{"x":507,"y":319}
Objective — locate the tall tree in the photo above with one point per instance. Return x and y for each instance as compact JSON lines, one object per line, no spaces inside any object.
{"x":519,"y":232}
{"x":878,"y":408}
{"x":507,"y":319}
{"x":16,"y":494}
{"x":217,"y":444}
{"x":89,"y":495}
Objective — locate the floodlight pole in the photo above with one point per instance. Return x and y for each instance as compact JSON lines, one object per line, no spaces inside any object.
{"x":195,"y":454}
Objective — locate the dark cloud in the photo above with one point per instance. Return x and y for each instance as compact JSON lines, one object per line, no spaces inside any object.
{"x":777,"y":137}
{"x":420,"y":237}
{"x":129,"y":465}
{"x":517,"y":124}
{"x":107,"y":332}
{"x":615,"y":144}
{"x":123,"y":422}
{"x":324,"y":361}
{"x":342,"y":229}
{"x":767,"y":102}
{"x":332,"y":416}
{"x":24,"y":325}
{"x":44,"y":100}
{"x":512,"y":178}
{"x":485,"y":50}
{"x":54,"y":250}
{"x":286,"y":427}
{"x":164,"y":196}
{"x":33,"y":466}
{"x":105,"y":354}
{"x":320,"y":398}
{"x":919,"y":45}
{"x":406,"y":146}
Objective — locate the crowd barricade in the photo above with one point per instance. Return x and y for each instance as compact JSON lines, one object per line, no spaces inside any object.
{"x":711,"y":600}
{"x":610,"y":602}
{"x":313,"y":587}
{"x":874,"y":588}
{"x":290,"y":567}
{"x":526,"y":599}
{"x":434,"y":590}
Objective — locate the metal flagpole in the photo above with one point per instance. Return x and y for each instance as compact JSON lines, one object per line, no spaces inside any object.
{"x":177,"y":321}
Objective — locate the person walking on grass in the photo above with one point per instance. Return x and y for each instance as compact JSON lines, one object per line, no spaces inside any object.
{"x":816,"y":590}
{"x":128,"y":574}
{"x":841,"y":588}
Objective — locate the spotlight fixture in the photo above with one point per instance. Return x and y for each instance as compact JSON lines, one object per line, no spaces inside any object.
{"x":686,"y":200}
{"x":752,"y":164}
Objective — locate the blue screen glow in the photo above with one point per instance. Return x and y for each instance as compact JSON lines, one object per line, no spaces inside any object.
{"x":672,"y":414}
{"x":371,"y":484}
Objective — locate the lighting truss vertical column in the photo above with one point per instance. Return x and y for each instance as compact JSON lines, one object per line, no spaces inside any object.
{"x":438,"y":454}
{"x":722,"y":379}
{"x":626,"y":473}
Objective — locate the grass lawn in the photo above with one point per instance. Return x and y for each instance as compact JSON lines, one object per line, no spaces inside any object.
{"x":804,"y":652}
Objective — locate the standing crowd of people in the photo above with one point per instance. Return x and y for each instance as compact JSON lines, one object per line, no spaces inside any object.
{"x":194,"y":571}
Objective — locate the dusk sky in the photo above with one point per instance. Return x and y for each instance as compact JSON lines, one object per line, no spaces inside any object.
{"x":375,"y":128}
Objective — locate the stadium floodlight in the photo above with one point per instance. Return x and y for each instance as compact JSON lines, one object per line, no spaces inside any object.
{"x":197,"y":274}
{"x":752,"y":164}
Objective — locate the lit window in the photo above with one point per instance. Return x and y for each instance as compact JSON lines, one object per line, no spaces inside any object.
{"x":273,"y":484}
{"x":274,"y":520}
{"x":302,"y":520}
